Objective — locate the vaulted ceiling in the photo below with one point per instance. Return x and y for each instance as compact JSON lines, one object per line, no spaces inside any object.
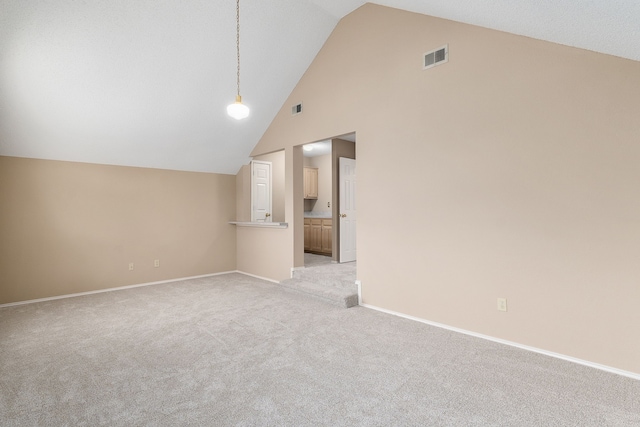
{"x":146,"y":82}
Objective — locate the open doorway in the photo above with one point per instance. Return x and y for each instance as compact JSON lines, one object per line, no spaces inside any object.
{"x":322,"y":215}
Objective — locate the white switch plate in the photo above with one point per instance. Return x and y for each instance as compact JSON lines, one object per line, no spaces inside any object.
{"x":502,"y":304}
{"x":156,"y":263}
{"x":130,"y":266}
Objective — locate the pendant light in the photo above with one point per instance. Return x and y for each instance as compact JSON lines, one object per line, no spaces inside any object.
{"x":238,"y":110}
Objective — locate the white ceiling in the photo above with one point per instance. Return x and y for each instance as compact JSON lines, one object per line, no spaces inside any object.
{"x":146,"y":82}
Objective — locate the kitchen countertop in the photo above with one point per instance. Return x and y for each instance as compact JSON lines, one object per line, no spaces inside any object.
{"x":260,"y":224}
{"x":322,"y":215}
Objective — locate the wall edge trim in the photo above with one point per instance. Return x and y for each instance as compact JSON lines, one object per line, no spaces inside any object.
{"x":256,"y":276}
{"x":119,"y":288}
{"x":610,"y":369}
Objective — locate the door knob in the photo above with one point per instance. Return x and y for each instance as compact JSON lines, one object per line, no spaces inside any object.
{"x":267,"y":215}
{"x":343,"y":215}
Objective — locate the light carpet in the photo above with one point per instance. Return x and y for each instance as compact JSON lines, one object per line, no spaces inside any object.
{"x":236,"y":351}
{"x":314,"y":260}
{"x":328,"y":281}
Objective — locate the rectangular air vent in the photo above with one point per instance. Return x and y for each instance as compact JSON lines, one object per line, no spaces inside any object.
{"x":296,"y":109}
{"x":436,"y":57}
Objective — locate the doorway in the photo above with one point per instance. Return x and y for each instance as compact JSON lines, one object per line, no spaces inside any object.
{"x":322,"y":214}
{"x":318,"y":215}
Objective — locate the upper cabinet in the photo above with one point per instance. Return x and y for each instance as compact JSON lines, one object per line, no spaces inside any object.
{"x":310,"y":183}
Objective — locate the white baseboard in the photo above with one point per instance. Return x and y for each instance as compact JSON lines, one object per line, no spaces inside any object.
{"x":606,"y":368}
{"x":257,"y":277}
{"x":119,"y":288}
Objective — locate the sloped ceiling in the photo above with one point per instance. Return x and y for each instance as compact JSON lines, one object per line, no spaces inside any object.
{"x":145,"y":83}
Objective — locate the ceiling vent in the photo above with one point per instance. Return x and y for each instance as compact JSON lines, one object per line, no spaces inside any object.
{"x":296,"y":109}
{"x":436,"y":57}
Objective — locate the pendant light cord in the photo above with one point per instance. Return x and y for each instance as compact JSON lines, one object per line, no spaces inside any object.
{"x":238,"y":110}
{"x":238,"y":42}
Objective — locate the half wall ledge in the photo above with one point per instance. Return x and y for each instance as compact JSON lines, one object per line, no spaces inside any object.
{"x":260,"y":224}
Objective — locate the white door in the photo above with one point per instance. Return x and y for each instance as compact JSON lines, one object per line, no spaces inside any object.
{"x":260,"y":191}
{"x":347,"y":209}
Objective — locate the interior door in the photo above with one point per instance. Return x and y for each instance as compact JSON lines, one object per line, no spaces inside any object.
{"x":260,"y":191}
{"x":347,"y":209}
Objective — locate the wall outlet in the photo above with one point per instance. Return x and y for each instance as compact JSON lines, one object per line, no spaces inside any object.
{"x":502,"y":304}
{"x":156,"y":263}
{"x":130,"y":266}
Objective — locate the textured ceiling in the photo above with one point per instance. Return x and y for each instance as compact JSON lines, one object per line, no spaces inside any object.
{"x":607,"y":26}
{"x":146,"y":82}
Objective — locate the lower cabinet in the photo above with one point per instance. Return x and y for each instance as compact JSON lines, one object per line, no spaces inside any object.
{"x":318,"y":235}
{"x":327,"y":236}
{"x":307,"y":234}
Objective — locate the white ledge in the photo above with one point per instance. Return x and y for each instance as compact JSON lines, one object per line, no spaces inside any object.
{"x":260,"y":224}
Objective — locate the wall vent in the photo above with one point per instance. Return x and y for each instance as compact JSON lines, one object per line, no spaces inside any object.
{"x":436,"y":57}
{"x":296,"y":109}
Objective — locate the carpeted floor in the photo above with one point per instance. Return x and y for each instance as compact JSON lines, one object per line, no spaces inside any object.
{"x":236,"y":351}
{"x":321,"y":278}
{"x":314,"y":260}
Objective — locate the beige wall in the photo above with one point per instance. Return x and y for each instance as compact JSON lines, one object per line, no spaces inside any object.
{"x":323,"y":164}
{"x":75,"y":227}
{"x":243,"y":194}
{"x":265,"y":252}
{"x":271,"y":253}
{"x":511,"y":171}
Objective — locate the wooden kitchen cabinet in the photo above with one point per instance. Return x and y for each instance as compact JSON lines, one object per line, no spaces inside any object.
{"x":317,"y":235}
{"x":315,"y":244}
{"x":307,"y":234}
{"x":327,"y":238}
{"x":310,"y":183}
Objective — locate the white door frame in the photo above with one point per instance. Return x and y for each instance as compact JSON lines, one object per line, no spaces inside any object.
{"x":269,"y":216}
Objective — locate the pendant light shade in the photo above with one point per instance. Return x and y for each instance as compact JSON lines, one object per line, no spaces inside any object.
{"x":238,"y":110}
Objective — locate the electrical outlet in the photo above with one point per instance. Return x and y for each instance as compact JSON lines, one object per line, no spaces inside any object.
{"x":130,"y":266}
{"x":156,"y":263}
{"x":502,"y":304}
